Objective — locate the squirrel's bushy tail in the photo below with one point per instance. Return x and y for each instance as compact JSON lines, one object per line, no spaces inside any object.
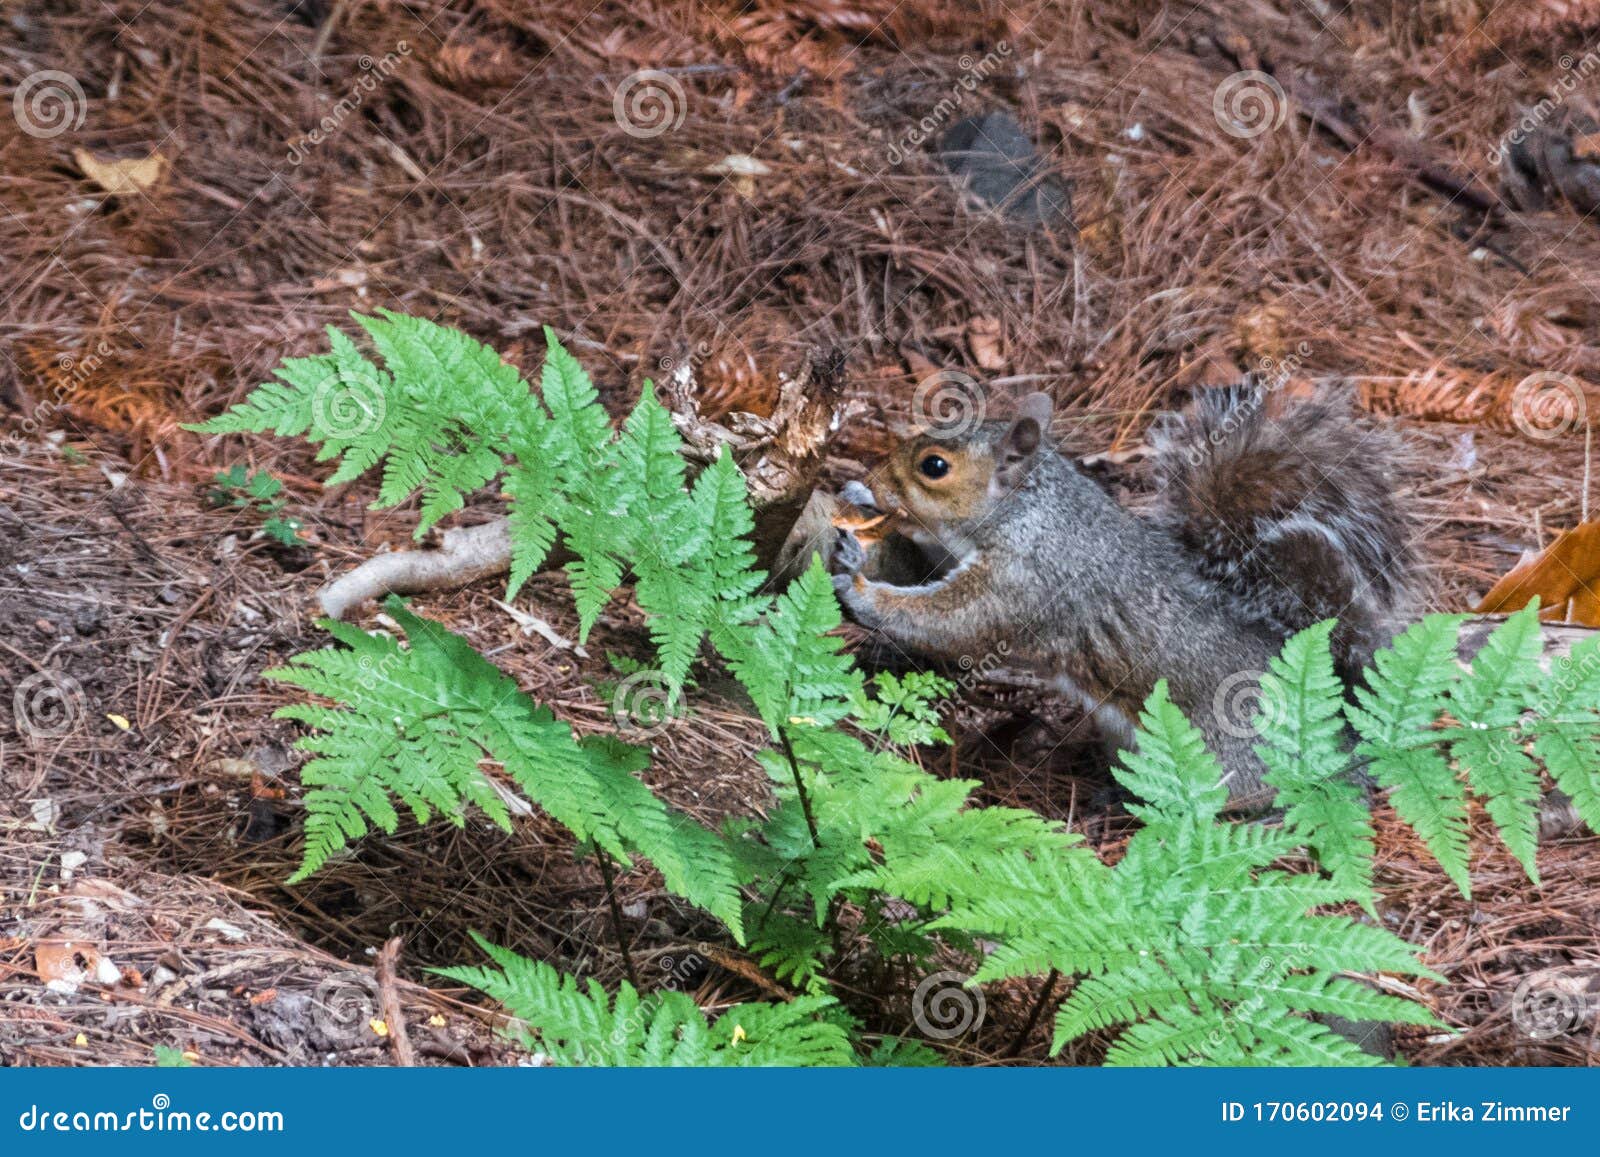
{"x":1290,"y":506}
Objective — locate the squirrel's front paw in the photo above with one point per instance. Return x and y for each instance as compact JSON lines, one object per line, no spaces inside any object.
{"x":854,"y":599}
{"x":849,"y":556}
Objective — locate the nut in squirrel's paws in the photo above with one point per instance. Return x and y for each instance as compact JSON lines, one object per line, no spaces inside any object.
{"x":857,"y":511}
{"x":861,"y":525}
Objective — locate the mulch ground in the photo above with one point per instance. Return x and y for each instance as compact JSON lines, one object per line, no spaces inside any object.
{"x":494,"y":175}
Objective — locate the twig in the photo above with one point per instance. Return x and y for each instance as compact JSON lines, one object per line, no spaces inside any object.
{"x":389,"y":998}
{"x":465,"y":555}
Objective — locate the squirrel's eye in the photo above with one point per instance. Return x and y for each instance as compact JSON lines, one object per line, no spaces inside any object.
{"x":933,"y":466}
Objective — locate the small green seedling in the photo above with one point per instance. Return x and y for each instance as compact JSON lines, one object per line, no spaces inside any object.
{"x":261,"y":492}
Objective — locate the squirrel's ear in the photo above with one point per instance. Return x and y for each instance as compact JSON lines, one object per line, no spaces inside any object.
{"x":1039,"y":407}
{"x":1017,"y":448}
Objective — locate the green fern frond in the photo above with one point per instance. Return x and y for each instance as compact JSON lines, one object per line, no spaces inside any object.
{"x":1301,"y":725}
{"x":435,"y":417}
{"x":904,"y":708}
{"x":789,"y":663}
{"x":1395,"y":711}
{"x":792,"y":949}
{"x":1172,"y":771}
{"x":1488,"y":703}
{"x":719,"y":496}
{"x":1565,"y":728}
{"x":577,"y":1026}
{"x":417,"y":723}
{"x":1193,"y":948}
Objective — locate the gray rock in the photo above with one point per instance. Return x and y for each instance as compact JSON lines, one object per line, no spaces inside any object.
{"x":997,"y":163}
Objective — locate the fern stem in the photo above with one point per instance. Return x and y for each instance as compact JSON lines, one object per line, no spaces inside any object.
{"x":800,"y":787}
{"x":616,"y":915}
{"x":1033,"y":1015}
{"x":783,"y":882}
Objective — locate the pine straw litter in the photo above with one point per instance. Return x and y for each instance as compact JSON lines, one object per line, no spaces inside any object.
{"x":234,"y":184}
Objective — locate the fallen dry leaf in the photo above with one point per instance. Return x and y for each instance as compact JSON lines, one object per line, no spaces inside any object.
{"x":64,"y":965}
{"x":984,"y":337}
{"x":742,"y":170}
{"x":121,"y":178}
{"x":69,"y":960}
{"x":1565,"y":578}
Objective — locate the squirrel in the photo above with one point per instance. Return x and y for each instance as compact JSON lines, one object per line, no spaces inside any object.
{"x":1266,"y":523}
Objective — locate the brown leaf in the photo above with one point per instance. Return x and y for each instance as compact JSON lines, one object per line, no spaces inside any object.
{"x":121,"y":178}
{"x":1565,"y":579}
{"x":67,"y":963}
{"x":984,"y":336}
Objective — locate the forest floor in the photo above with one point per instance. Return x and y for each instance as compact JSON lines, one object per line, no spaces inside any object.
{"x":1342,"y":214}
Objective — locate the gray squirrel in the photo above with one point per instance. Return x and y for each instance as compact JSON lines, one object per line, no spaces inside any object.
{"x":1270,"y":518}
